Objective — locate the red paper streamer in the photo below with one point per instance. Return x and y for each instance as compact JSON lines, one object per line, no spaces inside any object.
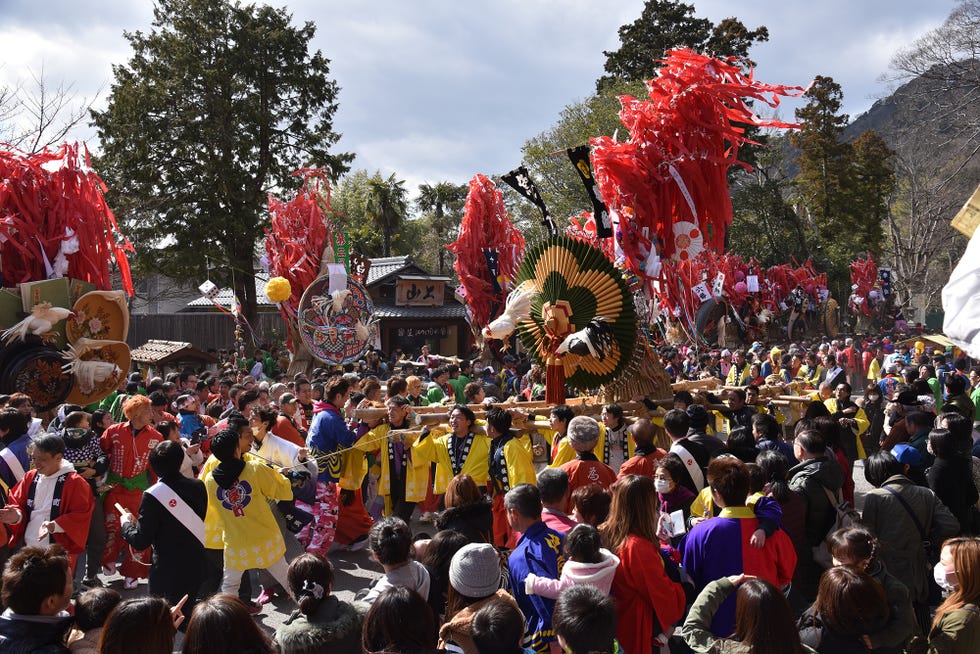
{"x":682,"y":142}
{"x":298,"y":232}
{"x":44,"y":198}
{"x":864,"y":275}
{"x":485,"y":226}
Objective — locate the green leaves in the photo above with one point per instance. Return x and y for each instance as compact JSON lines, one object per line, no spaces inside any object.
{"x":218,"y":104}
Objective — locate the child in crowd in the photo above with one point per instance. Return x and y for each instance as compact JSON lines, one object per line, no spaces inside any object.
{"x":92,"y":608}
{"x":322,"y":621}
{"x":585,"y":621}
{"x":588,"y":563}
{"x":193,"y":457}
{"x":83,"y":451}
{"x":498,"y":628}
{"x":390,"y":542}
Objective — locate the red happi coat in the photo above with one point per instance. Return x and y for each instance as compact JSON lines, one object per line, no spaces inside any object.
{"x":74,"y":515}
{"x":129,"y":476}
{"x":129,"y":456}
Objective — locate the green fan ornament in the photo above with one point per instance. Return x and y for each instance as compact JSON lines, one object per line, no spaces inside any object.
{"x":582,"y":325}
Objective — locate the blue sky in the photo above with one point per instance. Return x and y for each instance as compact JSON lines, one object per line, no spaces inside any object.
{"x":436,"y":90}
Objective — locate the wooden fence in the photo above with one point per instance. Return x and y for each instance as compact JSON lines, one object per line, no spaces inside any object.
{"x":202,"y":330}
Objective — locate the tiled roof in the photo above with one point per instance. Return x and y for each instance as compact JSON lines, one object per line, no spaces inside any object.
{"x":384,"y":266}
{"x":451,"y":309}
{"x":225,"y":295}
{"x":154,"y":351}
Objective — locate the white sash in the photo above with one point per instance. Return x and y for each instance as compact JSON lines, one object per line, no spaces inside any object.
{"x":178,"y":508}
{"x":690,"y":463}
{"x":13,"y":463}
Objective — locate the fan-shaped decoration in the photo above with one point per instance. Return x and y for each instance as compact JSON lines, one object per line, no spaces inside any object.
{"x":688,"y":240}
{"x":336,"y":335}
{"x":644,"y":376}
{"x":96,"y":368}
{"x":582,"y":298}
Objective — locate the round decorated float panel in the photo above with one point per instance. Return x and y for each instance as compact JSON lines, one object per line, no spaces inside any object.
{"x":331,"y":334}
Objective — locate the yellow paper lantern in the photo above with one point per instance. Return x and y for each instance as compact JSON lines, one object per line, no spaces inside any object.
{"x":278,"y":289}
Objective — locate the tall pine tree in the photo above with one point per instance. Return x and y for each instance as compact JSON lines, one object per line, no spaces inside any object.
{"x":219,"y":103}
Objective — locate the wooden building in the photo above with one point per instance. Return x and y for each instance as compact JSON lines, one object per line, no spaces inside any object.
{"x":414,"y":308}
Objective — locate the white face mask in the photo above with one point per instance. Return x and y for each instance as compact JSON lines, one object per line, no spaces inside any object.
{"x":256,"y":431}
{"x":939,"y":574}
{"x":662,"y":485}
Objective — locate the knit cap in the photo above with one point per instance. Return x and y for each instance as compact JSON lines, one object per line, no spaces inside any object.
{"x":475,"y":570}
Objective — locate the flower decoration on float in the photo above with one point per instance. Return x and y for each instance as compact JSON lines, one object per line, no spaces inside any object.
{"x":278,"y":289}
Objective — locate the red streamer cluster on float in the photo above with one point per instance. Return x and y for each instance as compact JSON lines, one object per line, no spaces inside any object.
{"x":864,"y":274}
{"x":486,"y":226}
{"x":675,"y":287}
{"x":298,"y":232}
{"x":47,"y":199}
{"x":682,"y":142}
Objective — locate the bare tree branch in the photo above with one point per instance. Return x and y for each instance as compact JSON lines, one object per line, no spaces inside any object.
{"x":38,"y":115}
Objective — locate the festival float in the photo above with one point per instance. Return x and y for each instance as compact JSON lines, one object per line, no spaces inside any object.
{"x":63,"y":327}
{"x":316,"y":282}
{"x":591,"y":302}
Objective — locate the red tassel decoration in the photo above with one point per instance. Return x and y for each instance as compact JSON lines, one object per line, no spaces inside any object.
{"x":554,"y":381}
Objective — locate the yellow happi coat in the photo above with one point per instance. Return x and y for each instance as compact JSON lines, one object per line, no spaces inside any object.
{"x":214,"y":538}
{"x":251,"y":536}
{"x":435,"y":449}
{"x":519,"y":461}
{"x":416,"y":477}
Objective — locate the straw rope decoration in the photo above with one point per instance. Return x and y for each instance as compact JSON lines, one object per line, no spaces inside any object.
{"x":577,"y":283}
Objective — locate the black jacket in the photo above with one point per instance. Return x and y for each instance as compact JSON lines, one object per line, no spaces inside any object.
{"x":22,"y":635}
{"x":952,"y":482}
{"x":179,"y":564}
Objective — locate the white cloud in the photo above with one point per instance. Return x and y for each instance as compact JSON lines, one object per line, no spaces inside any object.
{"x":435,"y":89}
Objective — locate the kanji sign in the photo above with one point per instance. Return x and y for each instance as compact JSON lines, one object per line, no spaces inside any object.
{"x":420,"y":292}
{"x":422,"y":332}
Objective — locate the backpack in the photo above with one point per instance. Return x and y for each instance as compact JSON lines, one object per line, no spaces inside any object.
{"x":845,"y":516}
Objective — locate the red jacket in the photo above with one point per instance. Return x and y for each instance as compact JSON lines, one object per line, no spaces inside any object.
{"x":642,"y":464}
{"x":642,"y":589}
{"x":582,"y":472}
{"x":74,"y":515}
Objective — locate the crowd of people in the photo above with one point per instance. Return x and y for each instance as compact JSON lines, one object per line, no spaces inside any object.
{"x":717,"y":520}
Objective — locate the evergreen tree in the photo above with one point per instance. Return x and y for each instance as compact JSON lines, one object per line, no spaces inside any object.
{"x":824,"y":156}
{"x":843,"y":188}
{"x":667,"y":24}
{"x":219,"y":103}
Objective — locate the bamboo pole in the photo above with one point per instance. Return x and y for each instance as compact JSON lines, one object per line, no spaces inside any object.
{"x":708,"y":383}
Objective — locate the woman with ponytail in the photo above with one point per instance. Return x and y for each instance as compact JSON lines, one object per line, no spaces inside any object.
{"x":322,"y":623}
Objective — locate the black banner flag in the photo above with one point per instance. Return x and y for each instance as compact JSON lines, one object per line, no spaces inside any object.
{"x":580,"y":160}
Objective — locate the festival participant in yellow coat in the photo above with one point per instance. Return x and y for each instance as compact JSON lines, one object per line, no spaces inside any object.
{"x":401,"y":484}
{"x":214,"y":541}
{"x":459,"y":452}
{"x":851,"y":418}
{"x":239,"y":492}
{"x":511,"y":463}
